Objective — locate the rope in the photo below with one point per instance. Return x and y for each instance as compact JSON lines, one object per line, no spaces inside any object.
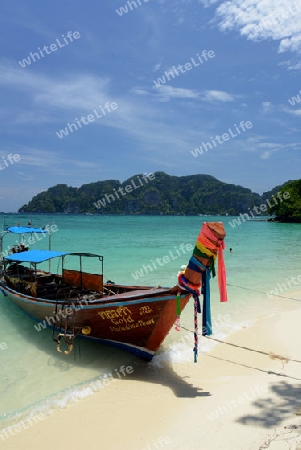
{"x":270,"y":354}
{"x":194,"y":290}
{"x":196,"y":338}
{"x":178,"y":306}
{"x":260,"y":292}
{"x":206,"y":335}
{"x":207,"y":328}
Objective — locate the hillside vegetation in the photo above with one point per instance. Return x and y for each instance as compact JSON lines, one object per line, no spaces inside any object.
{"x":289,"y":210}
{"x":163,"y":194}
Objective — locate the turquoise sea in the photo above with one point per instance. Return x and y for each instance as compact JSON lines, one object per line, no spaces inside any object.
{"x":35,"y":378}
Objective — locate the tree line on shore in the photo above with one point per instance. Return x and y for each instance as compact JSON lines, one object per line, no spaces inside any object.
{"x":164,"y":194}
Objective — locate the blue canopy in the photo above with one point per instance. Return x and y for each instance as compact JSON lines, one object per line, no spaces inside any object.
{"x":22,"y":230}
{"x":34,"y":256}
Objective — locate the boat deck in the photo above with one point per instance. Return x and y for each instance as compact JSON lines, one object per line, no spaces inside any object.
{"x":136,"y":293}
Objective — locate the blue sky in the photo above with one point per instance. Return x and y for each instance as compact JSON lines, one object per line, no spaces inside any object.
{"x":116,"y":58}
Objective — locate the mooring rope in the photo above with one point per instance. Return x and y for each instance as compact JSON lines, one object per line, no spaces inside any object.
{"x":260,"y":292}
{"x":270,"y":354}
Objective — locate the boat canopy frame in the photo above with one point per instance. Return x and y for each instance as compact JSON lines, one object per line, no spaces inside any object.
{"x":73,"y":277}
{"x":35,"y":257}
{"x":20,"y":230}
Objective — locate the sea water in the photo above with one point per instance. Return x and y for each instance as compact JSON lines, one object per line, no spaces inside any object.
{"x":35,"y":378}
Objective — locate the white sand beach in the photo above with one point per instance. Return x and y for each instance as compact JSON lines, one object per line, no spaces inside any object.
{"x":240,"y":395}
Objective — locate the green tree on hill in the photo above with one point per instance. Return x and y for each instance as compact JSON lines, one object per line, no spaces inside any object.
{"x":289,"y":210}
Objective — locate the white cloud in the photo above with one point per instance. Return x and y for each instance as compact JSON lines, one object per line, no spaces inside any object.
{"x":168,"y":92}
{"x":82,"y":92}
{"x":49,"y":162}
{"x":293,"y":44}
{"x":25,"y":176}
{"x":70,"y":96}
{"x":272,"y":147}
{"x":266,"y":155}
{"x":219,"y":96}
{"x":266,"y":106}
{"x":294,"y":112}
{"x":138,"y":91}
{"x":291,"y":64}
{"x":208,"y":3}
{"x":263,"y":19}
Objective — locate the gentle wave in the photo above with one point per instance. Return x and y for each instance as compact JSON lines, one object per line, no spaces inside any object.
{"x":30,"y":415}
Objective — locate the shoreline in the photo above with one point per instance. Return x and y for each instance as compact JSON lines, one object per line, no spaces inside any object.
{"x":240,"y":395}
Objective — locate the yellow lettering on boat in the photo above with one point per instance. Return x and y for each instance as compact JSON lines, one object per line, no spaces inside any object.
{"x":123,"y":320}
{"x":145,"y":310}
{"x":115,"y":313}
{"x":132,"y":326}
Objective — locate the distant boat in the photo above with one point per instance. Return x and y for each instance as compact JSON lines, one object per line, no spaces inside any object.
{"x":76,"y":303}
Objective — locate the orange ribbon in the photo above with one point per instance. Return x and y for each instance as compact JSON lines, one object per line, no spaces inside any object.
{"x":219,"y":245}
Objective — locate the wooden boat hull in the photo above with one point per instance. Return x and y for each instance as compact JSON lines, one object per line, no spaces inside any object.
{"x":76,"y":303}
{"x":137,"y":321}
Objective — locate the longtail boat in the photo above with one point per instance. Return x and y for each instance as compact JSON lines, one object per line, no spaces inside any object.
{"x":76,"y":303}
